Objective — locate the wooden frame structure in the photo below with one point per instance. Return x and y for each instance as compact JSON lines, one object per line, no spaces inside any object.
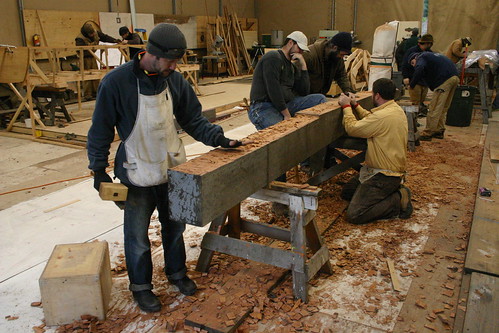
{"x":31,"y":72}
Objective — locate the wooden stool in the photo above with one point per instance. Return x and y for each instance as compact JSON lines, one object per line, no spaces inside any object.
{"x":303,"y":202}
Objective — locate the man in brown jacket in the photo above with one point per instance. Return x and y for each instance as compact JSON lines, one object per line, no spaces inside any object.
{"x":89,"y":36}
{"x":325,"y":63}
{"x":455,"y":51}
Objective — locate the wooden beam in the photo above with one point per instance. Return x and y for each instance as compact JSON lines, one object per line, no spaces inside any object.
{"x":482,"y":309}
{"x":203,"y":188}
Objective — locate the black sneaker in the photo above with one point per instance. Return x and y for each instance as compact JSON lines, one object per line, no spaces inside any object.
{"x":185,"y":285}
{"x":147,"y":301}
{"x":406,"y":208}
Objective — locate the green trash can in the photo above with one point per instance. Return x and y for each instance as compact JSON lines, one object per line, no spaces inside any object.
{"x":461,"y":108}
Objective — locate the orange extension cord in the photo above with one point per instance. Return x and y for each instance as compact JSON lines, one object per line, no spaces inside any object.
{"x":111,"y":163}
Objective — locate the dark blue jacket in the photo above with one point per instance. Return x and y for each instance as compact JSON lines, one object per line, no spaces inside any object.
{"x":117,"y":104}
{"x":407,"y":69}
{"x":434,"y":69}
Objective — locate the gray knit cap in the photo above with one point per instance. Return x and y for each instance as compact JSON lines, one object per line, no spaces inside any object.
{"x":166,"y":41}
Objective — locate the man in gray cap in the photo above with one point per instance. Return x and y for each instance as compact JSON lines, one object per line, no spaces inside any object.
{"x":325,"y":63}
{"x":281,"y":85}
{"x":139,"y":99}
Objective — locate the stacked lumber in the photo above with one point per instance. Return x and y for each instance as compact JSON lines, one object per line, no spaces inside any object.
{"x":229,"y":28}
{"x":357,"y":67}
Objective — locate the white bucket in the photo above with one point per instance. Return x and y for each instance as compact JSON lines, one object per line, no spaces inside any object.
{"x":384,"y":40}
{"x":27,"y":122}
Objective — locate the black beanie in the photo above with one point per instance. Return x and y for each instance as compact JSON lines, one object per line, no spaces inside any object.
{"x":343,"y":40}
{"x":123,"y":30}
{"x":165,"y":37}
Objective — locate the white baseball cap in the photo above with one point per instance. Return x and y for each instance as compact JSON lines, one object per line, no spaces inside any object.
{"x":300,"y":39}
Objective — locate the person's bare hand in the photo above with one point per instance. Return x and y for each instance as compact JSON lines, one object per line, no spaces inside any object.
{"x":353,"y":98}
{"x":344,"y":100}
{"x":406,"y":81}
{"x":298,"y":57}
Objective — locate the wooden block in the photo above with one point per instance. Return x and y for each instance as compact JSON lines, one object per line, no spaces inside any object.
{"x":482,"y":309}
{"x":113,"y":191}
{"x":205,"y":187}
{"x":75,"y":282}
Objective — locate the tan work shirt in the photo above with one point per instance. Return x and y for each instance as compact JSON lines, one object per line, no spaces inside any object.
{"x":455,"y":51}
{"x":385,"y":128}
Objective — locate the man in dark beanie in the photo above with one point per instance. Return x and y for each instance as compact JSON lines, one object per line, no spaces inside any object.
{"x":130,"y":38}
{"x":325,"y":63}
{"x":89,"y":36}
{"x":139,"y":99}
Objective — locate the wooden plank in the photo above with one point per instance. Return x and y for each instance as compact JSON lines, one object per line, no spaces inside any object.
{"x":494,"y":152}
{"x":393,"y":275}
{"x":61,"y":205}
{"x":482,"y":309}
{"x":13,"y":64}
{"x":203,"y":188}
{"x":482,"y":253}
{"x":62,"y":26}
{"x":225,"y":309}
{"x":252,"y":251}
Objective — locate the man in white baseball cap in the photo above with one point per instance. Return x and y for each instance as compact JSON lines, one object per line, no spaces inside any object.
{"x":281,"y":84}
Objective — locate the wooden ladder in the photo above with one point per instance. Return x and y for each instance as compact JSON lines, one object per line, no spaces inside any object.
{"x":224,"y":237}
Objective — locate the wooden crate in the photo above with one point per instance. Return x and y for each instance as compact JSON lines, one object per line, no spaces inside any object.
{"x":75,"y":282}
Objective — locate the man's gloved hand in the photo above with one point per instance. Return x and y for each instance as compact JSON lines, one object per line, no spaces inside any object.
{"x":101,"y":176}
{"x":228,"y":143}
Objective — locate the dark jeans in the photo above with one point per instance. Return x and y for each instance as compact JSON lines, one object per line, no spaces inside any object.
{"x":264,"y":114}
{"x":140,"y":204}
{"x":376,"y":199}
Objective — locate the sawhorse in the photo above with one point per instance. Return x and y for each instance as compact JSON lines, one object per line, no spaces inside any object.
{"x":303,"y":202}
{"x":56,"y":103}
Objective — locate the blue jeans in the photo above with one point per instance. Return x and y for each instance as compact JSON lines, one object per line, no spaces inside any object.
{"x":264,"y":114}
{"x":140,"y":204}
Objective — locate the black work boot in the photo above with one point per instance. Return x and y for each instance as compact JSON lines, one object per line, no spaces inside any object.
{"x":185,"y":285}
{"x":405,"y":203}
{"x":439,"y":135}
{"x":147,"y":301}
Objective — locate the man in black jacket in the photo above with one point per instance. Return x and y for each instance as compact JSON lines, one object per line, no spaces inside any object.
{"x":419,"y":91}
{"x":441,"y":76}
{"x":139,"y":99}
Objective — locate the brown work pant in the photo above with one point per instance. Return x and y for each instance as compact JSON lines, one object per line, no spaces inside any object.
{"x":418,"y":94}
{"x":90,"y":87}
{"x":440,"y":102}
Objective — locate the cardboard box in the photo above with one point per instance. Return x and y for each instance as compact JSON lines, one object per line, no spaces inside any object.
{"x":75,"y":282}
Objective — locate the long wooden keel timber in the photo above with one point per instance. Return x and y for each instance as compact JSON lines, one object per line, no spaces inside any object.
{"x":205,"y":187}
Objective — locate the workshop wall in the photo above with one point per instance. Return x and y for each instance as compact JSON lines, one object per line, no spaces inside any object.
{"x":449,"y":20}
{"x":321,"y":14}
{"x":11,"y":31}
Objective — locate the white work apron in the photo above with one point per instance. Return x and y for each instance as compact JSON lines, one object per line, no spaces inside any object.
{"x":153,"y":145}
